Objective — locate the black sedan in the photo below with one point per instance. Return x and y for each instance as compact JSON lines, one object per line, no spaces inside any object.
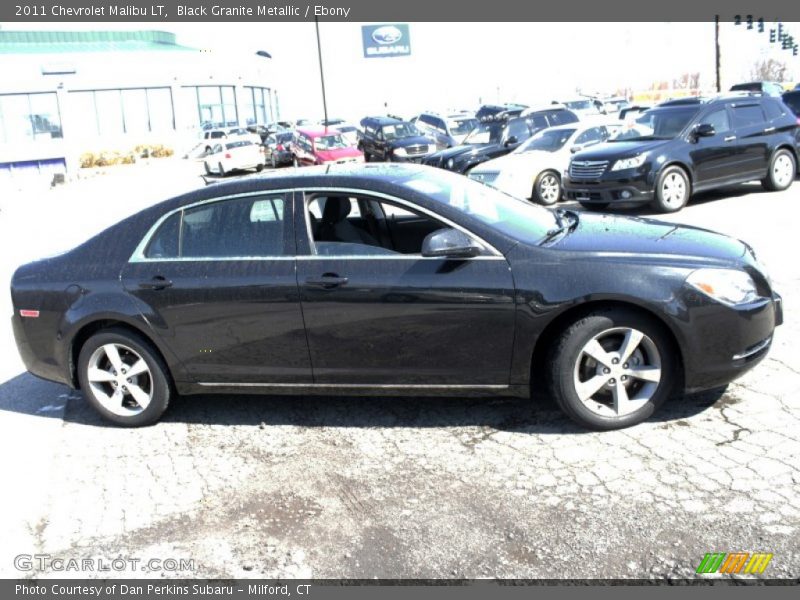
{"x":391,"y":279}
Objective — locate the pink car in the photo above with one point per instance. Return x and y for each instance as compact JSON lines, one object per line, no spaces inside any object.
{"x":322,"y":147}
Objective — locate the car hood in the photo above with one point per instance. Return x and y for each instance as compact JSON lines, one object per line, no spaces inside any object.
{"x":338,"y":153}
{"x":614,"y":150}
{"x":637,"y":236}
{"x":413,"y":140}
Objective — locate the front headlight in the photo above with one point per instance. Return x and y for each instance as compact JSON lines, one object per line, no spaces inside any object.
{"x":629,"y":163}
{"x":728,"y":286}
{"x":400,"y":152}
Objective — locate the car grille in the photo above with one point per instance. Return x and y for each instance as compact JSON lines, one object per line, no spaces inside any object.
{"x":417,"y":150}
{"x":486,"y":177}
{"x":587,"y":169}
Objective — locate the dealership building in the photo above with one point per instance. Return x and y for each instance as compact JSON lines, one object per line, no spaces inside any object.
{"x":67,"y":93}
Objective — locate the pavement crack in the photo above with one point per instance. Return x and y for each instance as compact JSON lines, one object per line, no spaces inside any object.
{"x":737,"y":431}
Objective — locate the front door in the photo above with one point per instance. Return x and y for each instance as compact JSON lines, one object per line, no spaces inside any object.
{"x":379,"y":313}
{"x":716,"y":158}
{"x":217,"y":283}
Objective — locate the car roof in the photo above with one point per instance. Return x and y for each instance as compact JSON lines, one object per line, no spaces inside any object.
{"x":382,"y":120}
{"x":314,"y":132}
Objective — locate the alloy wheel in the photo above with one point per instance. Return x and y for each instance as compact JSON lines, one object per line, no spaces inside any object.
{"x":120,"y":380}
{"x":549,"y":189}
{"x":617,"y":372}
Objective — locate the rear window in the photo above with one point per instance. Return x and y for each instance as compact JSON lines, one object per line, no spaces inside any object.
{"x":750,"y":114}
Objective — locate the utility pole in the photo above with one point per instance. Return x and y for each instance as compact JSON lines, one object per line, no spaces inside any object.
{"x":321,"y":74}
{"x":717,"y":57}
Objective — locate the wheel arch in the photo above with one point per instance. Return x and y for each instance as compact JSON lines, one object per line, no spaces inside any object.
{"x":792,"y":150}
{"x":90,"y":328}
{"x":564,"y":319}
{"x":683,"y":165}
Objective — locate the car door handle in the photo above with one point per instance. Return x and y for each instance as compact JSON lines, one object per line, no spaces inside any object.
{"x":158,"y":282}
{"x":730,"y":138}
{"x":769,"y":130}
{"x":327,"y":281}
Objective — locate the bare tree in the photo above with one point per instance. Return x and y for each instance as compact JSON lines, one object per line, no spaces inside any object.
{"x":768,"y":69}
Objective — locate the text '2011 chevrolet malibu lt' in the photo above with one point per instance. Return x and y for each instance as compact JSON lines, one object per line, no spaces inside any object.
{"x":392,"y":279}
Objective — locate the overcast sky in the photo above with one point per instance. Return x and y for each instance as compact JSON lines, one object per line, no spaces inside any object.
{"x":455,"y":65}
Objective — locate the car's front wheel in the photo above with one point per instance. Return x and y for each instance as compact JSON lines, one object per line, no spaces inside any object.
{"x":673,"y":189}
{"x":547,"y":188}
{"x":782,"y":171}
{"x":123,"y":378}
{"x":611,"y":369}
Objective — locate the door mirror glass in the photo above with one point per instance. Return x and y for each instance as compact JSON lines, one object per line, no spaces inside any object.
{"x":704,"y":130}
{"x":449,"y":243}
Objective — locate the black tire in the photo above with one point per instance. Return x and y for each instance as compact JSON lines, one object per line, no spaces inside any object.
{"x":221,"y":170}
{"x":568,"y":366}
{"x":157,"y":379}
{"x":594,"y":205}
{"x":542,"y":187}
{"x":208,"y":149}
{"x":259,"y":168}
{"x":676,"y":178}
{"x":773,"y":181}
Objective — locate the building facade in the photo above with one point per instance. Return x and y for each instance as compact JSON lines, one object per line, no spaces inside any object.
{"x":68,"y":93}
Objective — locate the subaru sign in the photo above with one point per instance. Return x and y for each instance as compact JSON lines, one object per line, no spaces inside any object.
{"x":385,"y":40}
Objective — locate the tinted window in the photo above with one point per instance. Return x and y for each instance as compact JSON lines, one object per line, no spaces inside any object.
{"x":792,"y":100}
{"x":518,"y":128}
{"x":563,"y":117}
{"x":773,"y":108}
{"x":242,"y":227}
{"x":538,"y":122}
{"x":747,"y":115}
{"x":719,"y":120}
{"x":595,"y":134}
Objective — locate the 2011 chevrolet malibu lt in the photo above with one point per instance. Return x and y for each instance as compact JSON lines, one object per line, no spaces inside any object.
{"x":392,"y":279}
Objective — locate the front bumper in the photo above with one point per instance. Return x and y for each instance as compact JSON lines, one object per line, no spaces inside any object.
{"x":638,"y":188}
{"x":726,"y":342}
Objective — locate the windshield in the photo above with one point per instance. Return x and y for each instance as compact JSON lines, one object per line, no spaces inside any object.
{"x":330,"y":142}
{"x":549,"y":140}
{"x":486,"y":133}
{"x":657,"y":124}
{"x":516,"y":218}
{"x":579,"y":104}
{"x":461,"y":126}
{"x":400,"y":130}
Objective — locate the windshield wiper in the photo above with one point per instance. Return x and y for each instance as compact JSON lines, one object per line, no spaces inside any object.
{"x":562,"y":225}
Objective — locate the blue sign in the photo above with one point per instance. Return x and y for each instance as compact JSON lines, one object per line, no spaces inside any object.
{"x":386,"y":40}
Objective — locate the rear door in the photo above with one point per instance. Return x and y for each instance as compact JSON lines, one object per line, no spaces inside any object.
{"x":752,"y":133}
{"x":217,"y":283}
{"x":716,"y":158}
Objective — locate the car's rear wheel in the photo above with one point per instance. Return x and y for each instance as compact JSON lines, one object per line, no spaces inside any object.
{"x":594,"y":205}
{"x":123,"y":378}
{"x":259,"y":168}
{"x":782,"y":171}
{"x":611,"y":369}
{"x":672,"y":190}
{"x":547,"y":188}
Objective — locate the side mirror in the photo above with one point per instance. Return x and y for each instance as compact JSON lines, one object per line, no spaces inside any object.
{"x":512,"y":140}
{"x":704,"y":130}
{"x":449,"y":243}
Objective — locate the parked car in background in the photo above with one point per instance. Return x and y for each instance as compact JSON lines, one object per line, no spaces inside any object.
{"x":673,"y":151}
{"x":495,"y":137}
{"x":322,"y":147}
{"x":493,"y":110}
{"x":395,"y":140}
{"x":533,"y":171}
{"x":214,"y":292}
{"x":210,"y":136}
{"x":278,"y":149}
{"x":234,"y":155}
{"x":612,"y":106}
{"x":792,"y":100}
{"x":583,"y":107}
{"x":769,"y":88}
{"x":447,"y":131}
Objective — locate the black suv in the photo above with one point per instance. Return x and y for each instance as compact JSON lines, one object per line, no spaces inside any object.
{"x":497,"y":136}
{"x":391,"y":139}
{"x":673,"y":151}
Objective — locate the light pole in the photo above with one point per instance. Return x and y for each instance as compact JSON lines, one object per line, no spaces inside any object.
{"x":321,"y":73}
